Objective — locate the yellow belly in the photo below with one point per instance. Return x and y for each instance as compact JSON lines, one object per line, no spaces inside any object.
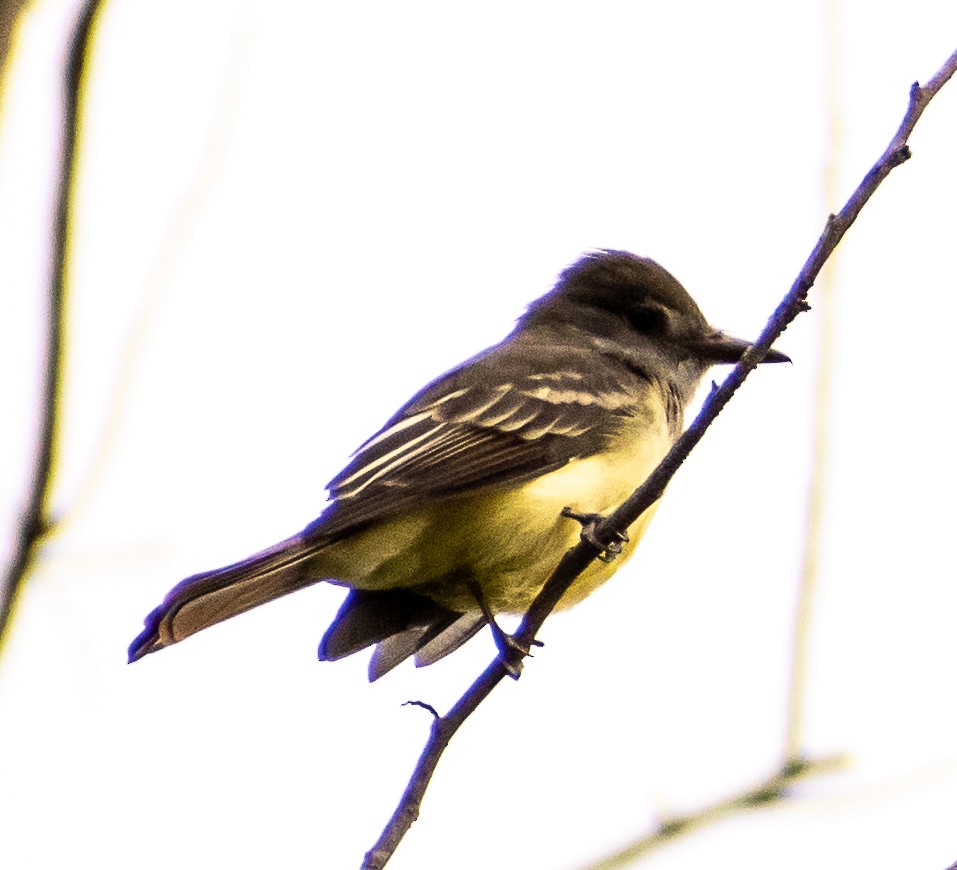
{"x":508,"y":540}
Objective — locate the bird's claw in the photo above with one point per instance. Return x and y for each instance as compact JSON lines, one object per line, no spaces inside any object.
{"x":511,"y":650}
{"x":589,"y":522}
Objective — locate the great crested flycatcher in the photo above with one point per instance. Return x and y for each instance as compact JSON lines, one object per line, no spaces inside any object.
{"x":456,"y":509}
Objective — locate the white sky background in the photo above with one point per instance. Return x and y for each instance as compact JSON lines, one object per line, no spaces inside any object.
{"x":291,"y":216}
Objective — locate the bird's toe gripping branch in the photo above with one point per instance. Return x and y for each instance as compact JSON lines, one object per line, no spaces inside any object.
{"x":589,"y":523}
{"x":511,"y":651}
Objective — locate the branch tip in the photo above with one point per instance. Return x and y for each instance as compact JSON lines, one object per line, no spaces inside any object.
{"x":424,"y":705}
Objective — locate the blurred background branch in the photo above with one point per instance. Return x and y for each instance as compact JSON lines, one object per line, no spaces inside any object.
{"x":821,"y":423}
{"x":774,"y":788}
{"x":36,"y":521}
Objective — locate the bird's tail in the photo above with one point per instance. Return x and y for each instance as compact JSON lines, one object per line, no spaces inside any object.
{"x":401,"y":624}
{"x":205,"y":599}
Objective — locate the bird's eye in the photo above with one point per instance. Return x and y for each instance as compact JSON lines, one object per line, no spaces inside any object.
{"x":647,"y":320}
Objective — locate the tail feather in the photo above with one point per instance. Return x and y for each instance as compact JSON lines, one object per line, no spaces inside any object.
{"x":394,"y":650}
{"x":205,"y":599}
{"x":428,"y":643}
{"x":439,"y":645}
{"x":400,"y":622}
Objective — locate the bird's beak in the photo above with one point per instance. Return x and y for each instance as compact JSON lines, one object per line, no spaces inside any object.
{"x":716,"y":347}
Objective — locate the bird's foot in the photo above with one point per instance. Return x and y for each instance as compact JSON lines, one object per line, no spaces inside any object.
{"x":511,"y":650}
{"x":589,"y":522}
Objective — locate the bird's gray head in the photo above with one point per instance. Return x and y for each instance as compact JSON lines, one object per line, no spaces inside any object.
{"x":630,"y":308}
{"x":629,"y":286}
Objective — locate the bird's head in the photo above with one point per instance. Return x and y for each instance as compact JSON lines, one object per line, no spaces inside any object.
{"x":631,"y":308}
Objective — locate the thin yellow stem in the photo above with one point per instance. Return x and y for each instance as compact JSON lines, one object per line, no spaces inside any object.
{"x":825,"y":309}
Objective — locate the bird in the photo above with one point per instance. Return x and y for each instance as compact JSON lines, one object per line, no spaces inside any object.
{"x":459,"y":508}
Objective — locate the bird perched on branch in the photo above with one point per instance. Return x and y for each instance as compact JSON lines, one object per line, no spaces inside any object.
{"x":461,"y":506}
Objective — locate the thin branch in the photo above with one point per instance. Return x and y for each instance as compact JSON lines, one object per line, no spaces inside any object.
{"x":35,"y":520}
{"x":579,"y":557}
{"x":775,"y":788}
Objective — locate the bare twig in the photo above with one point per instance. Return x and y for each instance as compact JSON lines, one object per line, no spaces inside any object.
{"x":36,"y":521}
{"x":579,"y":557}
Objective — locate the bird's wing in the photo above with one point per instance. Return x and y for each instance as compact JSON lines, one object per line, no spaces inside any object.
{"x":492,"y":422}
